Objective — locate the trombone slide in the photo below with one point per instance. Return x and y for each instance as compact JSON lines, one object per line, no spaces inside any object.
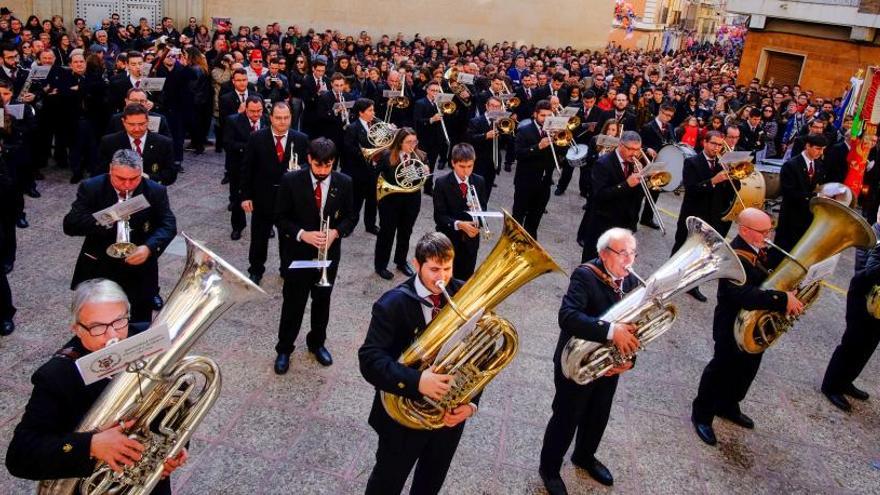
{"x":647,"y":191}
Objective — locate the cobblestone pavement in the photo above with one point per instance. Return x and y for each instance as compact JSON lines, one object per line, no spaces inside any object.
{"x":306,"y":432}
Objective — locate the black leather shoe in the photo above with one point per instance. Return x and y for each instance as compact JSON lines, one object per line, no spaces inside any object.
{"x":32,"y":192}
{"x":8,"y":267}
{"x":739,"y":418}
{"x":39,"y":175}
{"x":158,"y":302}
{"x":553,"y":484}
{"x":696,"y":294}
{"x":651,"y":224}
{"x":384,"y":273}
{"x":373,"y":230}
{"x":596,"y":470}
{"x":507,"y":168}
{"x":225,"y":179}
{"x":558,"y":192}
{"x":322,"y":355}
{"x":839,"y":401}
{"x":76,"y":178}
{"x":7,"y":327}
{"x":236,"y":235}
{"x":255,"y":278}
{"x":271,"y":233}
{"x":406,"y":269}
{"x":705,"y":432}
{"x":282,"y":364}
{"x":22,"y":223}
{"x":856,"y":393}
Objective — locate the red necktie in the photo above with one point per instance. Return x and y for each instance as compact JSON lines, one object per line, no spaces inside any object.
{"x":464,"y":189}
{"x":254,"y":126}
{"x":810,"y":170}
{"x":279,"y":149}
{"x":318,"y":194}
{"x":137,"y":146}
{"x":435,"y":302}
{"x":137,"y":84}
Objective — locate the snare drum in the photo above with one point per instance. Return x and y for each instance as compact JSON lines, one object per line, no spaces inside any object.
{"x":577,"y":155}
{"x":673,"y":157}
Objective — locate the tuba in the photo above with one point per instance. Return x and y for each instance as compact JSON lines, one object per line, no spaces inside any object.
{"x":873,"y":302}
{"x":171,"y":389}
{"x":835,"y":227}
{"x":704,"y":256}
{"x":485,"y":350}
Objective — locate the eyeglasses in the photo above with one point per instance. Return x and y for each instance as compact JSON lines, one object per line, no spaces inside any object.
{"x":624,"y":253}
{"x":99,"y":329}
{"x":762,"y":232}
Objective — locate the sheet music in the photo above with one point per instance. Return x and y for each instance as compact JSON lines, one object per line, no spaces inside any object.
{"x":153,"y":123}
{"x":123,"y":209}
{"x":39,"y":72}
{"x":486,"y":214}
{"x":390,"y":93}
{"x":115,"y":358}
{"x":820,"y":271}
{"x":301,"y":264}
{"x":152,"y":83}
{"x":443,"y":98}
{"x":735,"y":157}
{"x":15,"y":111}
{"x":568,"y":112}
{"x":497,"y":114}
{"x":553,"y":124}
{"x":465,"y":78}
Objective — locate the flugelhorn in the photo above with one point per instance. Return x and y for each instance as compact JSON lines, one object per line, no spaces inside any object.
{"x":485,"y":350}
{"x":169,"y":394}
{"x":123,"y":247}
{"x":705,"y":256}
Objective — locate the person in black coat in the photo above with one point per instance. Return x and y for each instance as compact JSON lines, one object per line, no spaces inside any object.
{"x":621,"y":112}
{"x":429,"y":127}
{"x":728,"y":376}
{"x":556,"y":87}
{"x":270,"y":152}
{"x":655,"y":135}
{"x":398,"y":212}
{"x":362,"y":172}
{"x":834,"y":160}
{"x":151,"y":231}
{"x":306,"y":197}
{"x":131,"y":78}
{"x":616,"y":193}
{"x":137,"y":96}
{"x":585,"y":409}
{"x":233,"y":102}
{"x":314,"y":86}
{"x":401,"y":117}
{"x":534,"y":170}
{"x":155,"y":149}
{"x":798,"y":180}
{"x":860,"y":339}
{"x":332,"y":115}
{"x":591,"y":121}
{"x":752,"y":132}
{"x":238,"y":129}
{"x":482,"y":135}
{"x":411,"y":305}
{"x":7,"y":246}
{"x":45,"y":444}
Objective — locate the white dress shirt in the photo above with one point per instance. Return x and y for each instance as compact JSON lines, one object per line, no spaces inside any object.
{"x":423,"y":294}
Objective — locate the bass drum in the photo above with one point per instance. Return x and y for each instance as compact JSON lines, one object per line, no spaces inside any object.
{"x":752,"y":190}
{"x":577,"y":155}
{"x":673,"y":157}
{"x":770,"y":167}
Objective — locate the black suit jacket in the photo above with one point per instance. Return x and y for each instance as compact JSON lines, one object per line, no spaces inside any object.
{"x":544,"y":93}
{"x":261,"y":171}
{"x":628,"y":119}
{"x":614,"y":202}
{"x":476,"y":135}
{"x":153,"y":227}
{"x":751,"y":140}
{"x":526,"y":105}
{"x":18,"y":81}
{"x":353,"y":162}
{"x":228,"y":102}
{"x":430,"y":134}
{"x":115,"y":124}
{"x":591,"y":123}
{"x":295,"y":210}
{"x":450,"y":206}
{"x":701,"y":198}
{"x":397,"y":320}
{"x":310,"y":94}
{"x":158,"y":155}
{"x":654,"y":138}
{"x":797,"y":190}
{"x":534,"y":166}
{"x":236,"y":133}
{"x":119,"y":87}
{"x":834,"y":160}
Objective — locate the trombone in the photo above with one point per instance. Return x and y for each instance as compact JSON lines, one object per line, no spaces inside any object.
{"x":400,"y":101}
{"x":658,"y":179}
{"x":562,"y":139}
{"x":447,"y":108}
{"x":504,"y":125}
{"x":512,"y":102}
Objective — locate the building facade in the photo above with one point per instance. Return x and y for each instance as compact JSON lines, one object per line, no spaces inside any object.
{"x":668,"y":24}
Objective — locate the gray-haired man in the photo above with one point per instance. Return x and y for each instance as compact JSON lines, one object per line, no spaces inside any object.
{"x":151,"y":231}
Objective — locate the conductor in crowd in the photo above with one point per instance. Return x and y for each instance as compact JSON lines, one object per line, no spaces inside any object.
{"x":730,"y":372}
{"x":238,"y":128}
{"x":151,"y":231}
{"x":798,"y":179}
{"x":45,"y":444}
{"x":305,"y":197}
{"x":534,"y":170}
{"x":411,"y":305}
{"x":155,"y":150}
{"x":270,"y":152}
{"x":595,"y":286}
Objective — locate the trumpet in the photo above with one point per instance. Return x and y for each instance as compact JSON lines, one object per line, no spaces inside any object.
{"x":293,"y":163}
{"x":473,"y":203}
{"x":123,"y":246}
{"x":657,"y":180}
{"x":343,"y":115}
{"x":322,"y":251}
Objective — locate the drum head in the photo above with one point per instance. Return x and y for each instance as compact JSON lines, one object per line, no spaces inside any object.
{"x":577,"y":155}
{"x":673,"y":156}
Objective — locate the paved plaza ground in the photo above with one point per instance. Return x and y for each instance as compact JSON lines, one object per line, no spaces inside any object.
{"x":307,"y":433}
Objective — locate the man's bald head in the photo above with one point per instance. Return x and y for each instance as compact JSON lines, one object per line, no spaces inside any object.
{"x":754,"y":226}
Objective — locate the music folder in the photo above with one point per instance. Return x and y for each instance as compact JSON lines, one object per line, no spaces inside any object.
{"x":390,"y":93}
{"x":554,"y":124}
{"x":443,"y":98}
{"x":300,"y":264}
{"x":124,"y":209}
{"x":152,"y":83}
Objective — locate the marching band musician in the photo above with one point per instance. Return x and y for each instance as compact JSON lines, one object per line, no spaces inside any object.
{"x":314,"y":86}
{"x":616,"y":193}
{"x":728,"y":376}
{"x":482,"y":135}
{"x":798,"y":179}
{"x":398,"y":212}
{"x":305,"y":198}
{"x":357,"y":167}
{"x":595,"y":286}
{"x":609,"y":128}
{"x":655,"y":135}
{"x":411,"y":305}
{"x":590,"y":116}
{"x":46,"y":445}
{"x":534,"y":170}
{"x":860,"y":338}
{"x":399,"y":116}
{"x":333,"y":115}
{"x":155,"y":149}
{"x":137,"y":96}
{"x":451,"y":209}
{"x":267,"y":157}
{"x":495,"y":89}
{"x":707,"y":194}
{"x":151,"y":231}
{"x":429,"y":128}
{"x":238,"y":128}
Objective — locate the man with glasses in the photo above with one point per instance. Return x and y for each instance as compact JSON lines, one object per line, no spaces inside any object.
{"x":45,"y":445}
{"x":728,"y":376}
{"x":151,"y":230}
{"x":155,"y":149}
{"x":584,"y":409}
{"x":137,"y":96}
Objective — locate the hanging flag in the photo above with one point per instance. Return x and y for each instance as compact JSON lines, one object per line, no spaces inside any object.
{"x":860,"y":146}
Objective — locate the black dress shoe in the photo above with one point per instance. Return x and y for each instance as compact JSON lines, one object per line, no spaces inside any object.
{"x":696,"y":294}
{"x":282,"y":364}
{"x":651,"y":224}
{"x":839,"y":401}
{"x":271,"y":233}
{"x":235,"y":235}
{"x":373,"y":230}
{"x":224,"y":180}
{"x":322,"y":355}
{"x":738,"y":418}
{"x":705,"y":432}
{"x":22,"y":223}
{"x":406,"y":269}
{"x":32,"y":192}
{"x":158,"y":302}
{"x":384,"y":273}
{"x":8,"y":267}
{"x":553,"y":484}
{"x":856,"y":393}
{"x":76,"y":178}
{"x":596,"y":470}
{"x":507,"y":168}
{"x":7,"y":327}
{"x":255,"y":278}
{"x":558,"y":192}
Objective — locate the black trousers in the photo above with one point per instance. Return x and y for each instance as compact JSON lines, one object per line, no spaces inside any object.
{"x":83,"y":151}
{"x":850,"y":357}
{"x":486,"y":170}
{"x":363,"y":190}
{"x":434,"y":152}
{"x":529,"y":202}
{"x":465,"y":260}
{"x":261,"y":226}
{"x":566,"y":175}
{"x":576,"y":408}
{"x":7,"y":310}
{"x":7,"y":229}
{"x":299,"y":285}
{"x":647,"y":213}
{"x":726,"y":379}
{"x":509,"y":151}
{"x":233,"y":173}
{"x":431,"y":452}
{"x":397,"y":215}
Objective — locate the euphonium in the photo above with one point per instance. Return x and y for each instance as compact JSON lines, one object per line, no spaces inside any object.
{"x":489,"y":347}
{"x":835,"y":227}
{"x":705,"y":256}
{"x":171,"y":389}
